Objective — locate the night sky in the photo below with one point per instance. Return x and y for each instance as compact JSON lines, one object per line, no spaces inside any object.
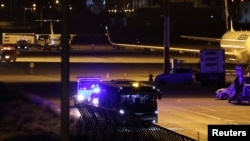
{"x":145,"y":24}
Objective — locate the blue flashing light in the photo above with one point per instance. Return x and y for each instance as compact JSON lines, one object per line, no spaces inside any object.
{"x":96,"y":90}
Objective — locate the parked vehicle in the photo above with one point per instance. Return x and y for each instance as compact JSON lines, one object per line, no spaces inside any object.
{"x":223,"y":93}
{"x":22,"y":45}
{"x":8,"y":53}
{"x":178,"y":75}
{"x":242,"y":91}
{"x":13,"y":38}
{"x":211,"y":67}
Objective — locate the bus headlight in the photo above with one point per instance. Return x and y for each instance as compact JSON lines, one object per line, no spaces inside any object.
{"x":95,"y":101}
{"x":121,"y":111}
{"x":156,"y":112}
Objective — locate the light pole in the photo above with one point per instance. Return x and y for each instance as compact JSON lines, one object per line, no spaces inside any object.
{"x":166,"y":67}
{"x":41,"y":17}
{"x":24,"y":16}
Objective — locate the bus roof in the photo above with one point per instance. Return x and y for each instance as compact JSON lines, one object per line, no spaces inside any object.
{"x":127,"y":83}
{"x":89,"y":78}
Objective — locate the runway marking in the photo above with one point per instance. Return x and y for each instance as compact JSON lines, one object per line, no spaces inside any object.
{"x":199,"y":113}
{"x":202,"y":107}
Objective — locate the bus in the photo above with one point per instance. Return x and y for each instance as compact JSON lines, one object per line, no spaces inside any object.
{"x":130,"y":99}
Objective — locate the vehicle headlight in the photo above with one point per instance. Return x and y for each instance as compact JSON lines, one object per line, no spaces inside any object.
{"x":80,"y":97}
{"x":95,"y":101}
{"x":220,"y":90}
{"x":121,"y":111}
{"x":156,"y":112}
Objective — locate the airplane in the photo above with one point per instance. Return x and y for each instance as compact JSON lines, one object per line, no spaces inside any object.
{"x":150,"y":47}
{"x":51,"y":40}
{"x":235,"y":43}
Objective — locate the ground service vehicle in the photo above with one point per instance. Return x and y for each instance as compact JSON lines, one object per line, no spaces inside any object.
{"x":12,"y":38}
{"x":242,"y":90}
{"x":176,"y":75}
{"x":8,"y":53}
{"x":130,"y":98}
{"x":211,"y":67}
{"x":86,"y":86}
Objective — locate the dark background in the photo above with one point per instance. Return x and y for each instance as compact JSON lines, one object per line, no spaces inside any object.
{"x":145,"y":24}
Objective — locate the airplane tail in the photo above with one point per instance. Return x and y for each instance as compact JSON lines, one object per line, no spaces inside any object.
{"x":226,"y":19}
{"x":231,"y":26}
{"x":51,"y":28}
{"x":107,"y":34}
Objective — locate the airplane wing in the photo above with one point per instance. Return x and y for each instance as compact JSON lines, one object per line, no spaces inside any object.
{"x":172,"y":48}
{"x":208,"y":39}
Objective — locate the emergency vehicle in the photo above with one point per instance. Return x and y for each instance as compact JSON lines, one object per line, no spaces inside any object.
{"x":8,"y":53}
{"x":86,"y":86}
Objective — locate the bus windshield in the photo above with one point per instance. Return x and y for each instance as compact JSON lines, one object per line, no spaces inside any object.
{"x":137,"y":98}
{"x":87,"y":85}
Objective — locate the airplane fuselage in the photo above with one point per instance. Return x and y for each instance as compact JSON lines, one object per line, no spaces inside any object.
{"x":237,"y":43}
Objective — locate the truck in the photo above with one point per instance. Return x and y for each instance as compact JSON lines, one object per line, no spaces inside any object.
{"x":211,"y":68}
{"x":13,"y":38}
{"x":130,"y":100}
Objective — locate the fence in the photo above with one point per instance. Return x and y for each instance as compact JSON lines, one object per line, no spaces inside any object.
{"x":100,"y":124}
